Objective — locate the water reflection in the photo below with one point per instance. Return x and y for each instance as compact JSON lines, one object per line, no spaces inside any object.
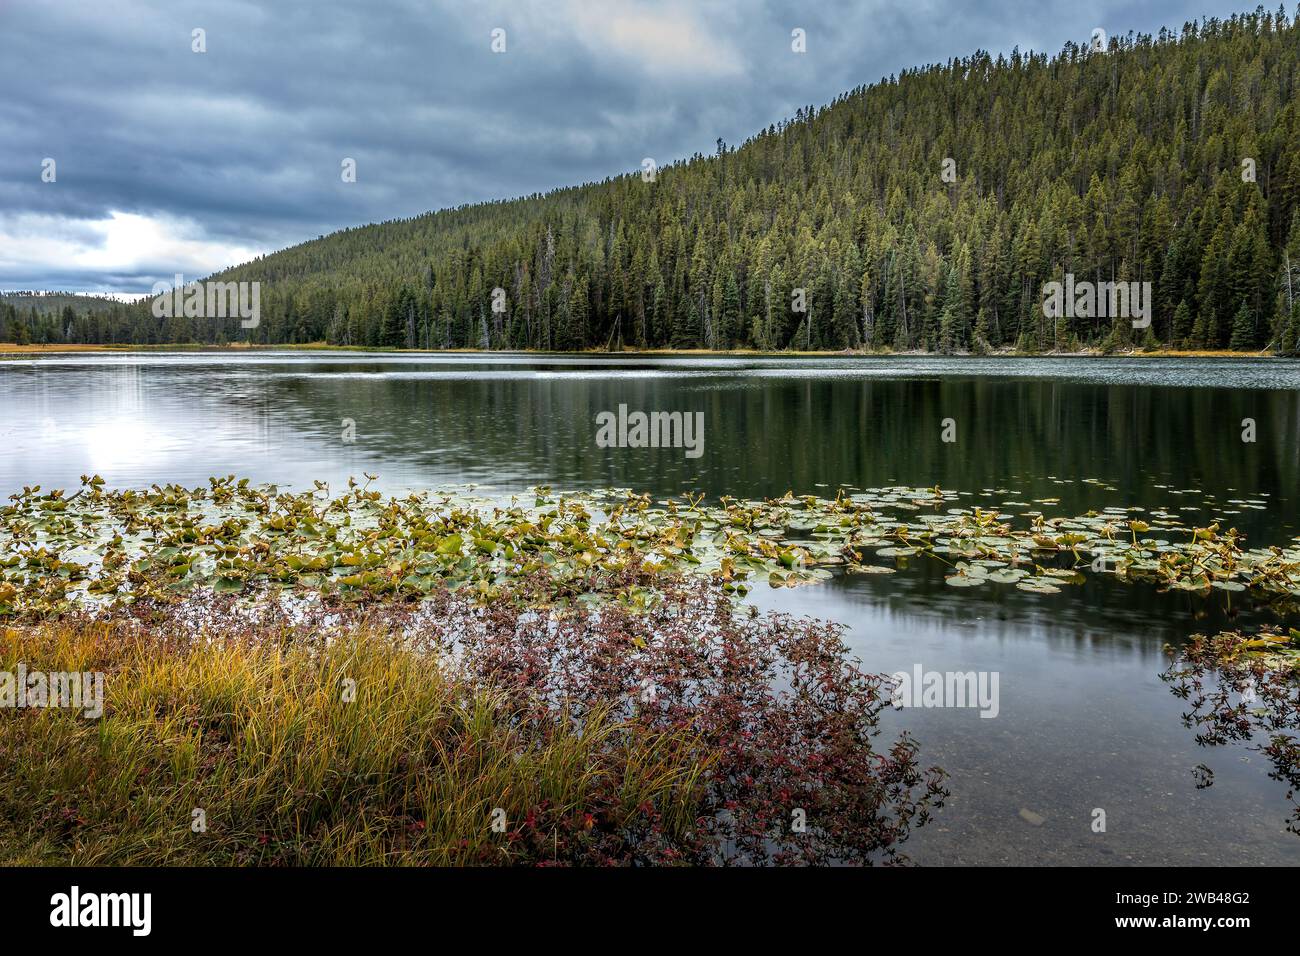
{"x":768,"y":428}
{"x":1237,"y":697}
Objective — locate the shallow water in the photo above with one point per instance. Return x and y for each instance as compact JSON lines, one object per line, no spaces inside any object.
{"x":1083,"y":722}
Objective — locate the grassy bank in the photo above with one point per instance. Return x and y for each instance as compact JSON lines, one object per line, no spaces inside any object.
{"x":447,"y":734}
{"x":246,"y":751}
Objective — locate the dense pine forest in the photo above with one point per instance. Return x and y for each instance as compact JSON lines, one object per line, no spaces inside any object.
{"x":926,"y":211}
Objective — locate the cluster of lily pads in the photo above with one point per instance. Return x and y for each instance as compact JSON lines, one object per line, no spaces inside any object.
{"x":1270,"y":646}
{"x":110,"y":546}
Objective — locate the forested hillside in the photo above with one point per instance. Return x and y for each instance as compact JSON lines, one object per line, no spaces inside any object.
{"x":1172,"y":159}
{"x":52,"y":302}
{"x":48,"y":316}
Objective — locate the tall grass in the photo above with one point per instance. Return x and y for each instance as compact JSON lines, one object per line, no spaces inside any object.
{"x":255,"y":732}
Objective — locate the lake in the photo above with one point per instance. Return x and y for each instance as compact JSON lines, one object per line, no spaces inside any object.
{"x":1083,"y":722}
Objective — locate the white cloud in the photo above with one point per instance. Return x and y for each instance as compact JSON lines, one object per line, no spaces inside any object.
{"x":668,"y":39}
{"x":123,"y":244}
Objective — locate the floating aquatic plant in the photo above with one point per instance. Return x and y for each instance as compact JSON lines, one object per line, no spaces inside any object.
{"x":234,"y":537}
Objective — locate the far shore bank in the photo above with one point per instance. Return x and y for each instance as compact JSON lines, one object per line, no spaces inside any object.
{"x":43,"y":349}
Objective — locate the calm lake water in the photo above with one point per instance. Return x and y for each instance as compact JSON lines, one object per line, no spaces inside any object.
{"x":1084,"y":721}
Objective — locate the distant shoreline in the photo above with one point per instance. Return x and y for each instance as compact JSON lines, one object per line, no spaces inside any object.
{"x":13,"y":349}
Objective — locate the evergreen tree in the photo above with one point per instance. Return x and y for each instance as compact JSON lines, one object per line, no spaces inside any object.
{"x":1181,"y":330}
{"x":732,"y":324}
{"x":1243,"y":329}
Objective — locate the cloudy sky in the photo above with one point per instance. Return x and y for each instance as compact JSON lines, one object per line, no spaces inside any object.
{"x":167,"y":160}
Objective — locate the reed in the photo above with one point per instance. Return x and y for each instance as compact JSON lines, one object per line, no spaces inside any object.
{"x":257,"y":732}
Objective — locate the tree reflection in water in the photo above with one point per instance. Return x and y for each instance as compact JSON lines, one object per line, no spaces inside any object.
{"x":1244,"y":689}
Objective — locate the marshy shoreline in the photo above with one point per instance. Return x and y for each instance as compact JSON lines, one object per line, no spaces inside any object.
{"x":453,"y":734}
